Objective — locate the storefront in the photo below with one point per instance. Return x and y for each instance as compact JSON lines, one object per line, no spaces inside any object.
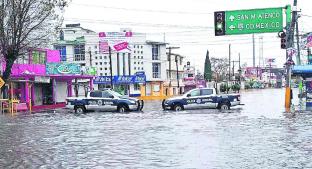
{"x":126,"y":85}
{"x":45,"y":85}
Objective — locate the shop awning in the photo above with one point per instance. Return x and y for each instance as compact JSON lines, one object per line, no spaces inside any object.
{"x":302,"y":70}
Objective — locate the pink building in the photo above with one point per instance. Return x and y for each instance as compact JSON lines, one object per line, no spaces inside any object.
{"x":42,"y":79}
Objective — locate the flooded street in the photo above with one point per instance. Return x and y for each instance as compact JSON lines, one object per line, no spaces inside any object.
{"x":259,"y":134}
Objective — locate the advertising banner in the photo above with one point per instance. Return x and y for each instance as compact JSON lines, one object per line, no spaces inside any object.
{"x":118,"y":41}
{"x":253,"y":72}
{"x":63,"y":68}
{"x":309,"y":41}
{"x":309,"y":94}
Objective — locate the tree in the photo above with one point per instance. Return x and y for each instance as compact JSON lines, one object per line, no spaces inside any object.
{"x":25,"y":24}
{"x":219,"y":68}
{"x":207,"y":72}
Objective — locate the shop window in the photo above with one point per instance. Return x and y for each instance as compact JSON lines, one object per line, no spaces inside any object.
{"x":38,"y":57}
{"x":136,"y":87}
{"x":156,"y":70}
{"x":79,"y":52}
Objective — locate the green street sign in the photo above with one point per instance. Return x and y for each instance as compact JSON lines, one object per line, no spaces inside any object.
{"x":249,"y":21}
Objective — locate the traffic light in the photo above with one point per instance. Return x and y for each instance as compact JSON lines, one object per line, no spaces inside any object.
{"x":283,"y":40}
{"x":219,"y":23}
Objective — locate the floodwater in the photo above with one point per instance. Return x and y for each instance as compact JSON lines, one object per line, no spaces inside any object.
{"x":259,"y":134}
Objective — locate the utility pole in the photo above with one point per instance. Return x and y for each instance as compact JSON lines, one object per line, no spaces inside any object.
{"x":298,"y":48}
{"x":110,"y":66}
{"x":229,"y":62}
{"x":169,"y":58}
{"x":253,"y":51}
{"x":290,"y":44}
{"x":233,"y":67}
{"x":177,"y":66}
{"x":239,"y":69}
{"x":227,"y":91}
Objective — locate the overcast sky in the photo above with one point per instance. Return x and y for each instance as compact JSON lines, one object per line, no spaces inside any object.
{"x":185,"y":23}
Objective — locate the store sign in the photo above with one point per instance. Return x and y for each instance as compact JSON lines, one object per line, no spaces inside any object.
{"x":89,"y":70}
{"x":63,"y":68}
{"x":42,"y":79}
{"x":117,"y":41}
{"x":120,"y":79}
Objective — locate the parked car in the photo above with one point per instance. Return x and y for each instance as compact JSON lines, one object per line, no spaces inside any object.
{"x":106,"y":100}
{"x":201,"y":98}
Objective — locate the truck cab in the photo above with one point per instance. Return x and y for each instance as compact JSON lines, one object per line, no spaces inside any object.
{"x":106,"y":100}
{"x":201,"y":98}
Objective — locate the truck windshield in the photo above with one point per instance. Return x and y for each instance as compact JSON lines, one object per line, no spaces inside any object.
{"x":115,"y":93}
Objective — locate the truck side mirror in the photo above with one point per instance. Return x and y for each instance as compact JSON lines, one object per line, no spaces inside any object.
{"x":188,"y":95}
{"x":111,"y":96}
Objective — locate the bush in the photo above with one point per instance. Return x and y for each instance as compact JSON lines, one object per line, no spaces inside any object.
{"x":236,"y":87}
{"x":223,"y":87}
{"x":247,"y":85}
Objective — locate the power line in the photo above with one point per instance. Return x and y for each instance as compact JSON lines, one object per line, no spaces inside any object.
{"x":136,"y":23}
{"x":143,"y":10}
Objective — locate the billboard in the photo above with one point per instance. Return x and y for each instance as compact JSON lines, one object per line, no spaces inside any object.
{"x":117,"y":41}
{"x":253,"y":72}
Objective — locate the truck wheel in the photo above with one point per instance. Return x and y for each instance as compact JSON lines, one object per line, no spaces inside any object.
{"x":122,"y":108}
{"x":178,"y":107}
{"x":224,"y":106}
{"x":80,"y":109}
{"x":163,"y":104}
{"x":142,"y":105}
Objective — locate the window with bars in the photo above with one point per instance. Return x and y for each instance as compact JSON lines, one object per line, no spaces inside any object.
{"x":79,"y":52}
{"x":155,"y":52}
{"x":156,"y":70}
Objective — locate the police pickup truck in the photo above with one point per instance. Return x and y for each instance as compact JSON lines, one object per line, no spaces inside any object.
{"x":106,"y":100}
{"x":201,"y":98}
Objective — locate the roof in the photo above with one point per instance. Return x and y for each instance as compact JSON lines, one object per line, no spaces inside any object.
{"x":156,"y":43}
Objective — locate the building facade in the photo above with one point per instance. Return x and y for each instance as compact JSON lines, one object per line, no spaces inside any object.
{"x":40,"y":80}
{"x":79,"y":45}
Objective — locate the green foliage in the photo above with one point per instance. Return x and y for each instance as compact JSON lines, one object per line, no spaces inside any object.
{"x":223,"y":87}
{"x":236,"y":87}
{"x":207,"y":72}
